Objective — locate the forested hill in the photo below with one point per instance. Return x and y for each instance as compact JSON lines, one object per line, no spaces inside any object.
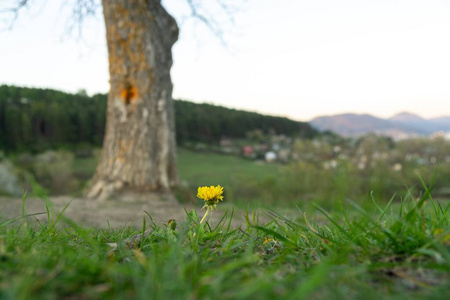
{"x":210,"y":122}
{"x":37,"y":119}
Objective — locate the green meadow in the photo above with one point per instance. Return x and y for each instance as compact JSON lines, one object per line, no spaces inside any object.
{"x":362,"y":248}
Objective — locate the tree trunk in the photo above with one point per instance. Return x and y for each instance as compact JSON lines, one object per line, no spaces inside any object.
{"x":139,"y":150}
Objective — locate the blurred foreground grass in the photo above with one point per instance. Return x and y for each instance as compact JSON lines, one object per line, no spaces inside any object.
{"x":382,"y":252}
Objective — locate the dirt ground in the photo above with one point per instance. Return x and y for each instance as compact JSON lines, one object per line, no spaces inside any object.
{"x":125,"y":210}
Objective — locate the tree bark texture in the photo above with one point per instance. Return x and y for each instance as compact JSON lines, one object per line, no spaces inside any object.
{"x":139,"y":150}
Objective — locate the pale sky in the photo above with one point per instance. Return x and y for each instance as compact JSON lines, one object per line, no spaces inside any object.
{"x":293,"y":58}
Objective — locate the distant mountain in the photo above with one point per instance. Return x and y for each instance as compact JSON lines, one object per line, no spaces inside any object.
{"x":415,"y":122}
{"x":401,"y":125}
{"x":406,"y":117}
{"x":442,"y":122}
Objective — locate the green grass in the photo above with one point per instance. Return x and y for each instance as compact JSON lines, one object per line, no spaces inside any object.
{"x":385,"y":252}
{"x":212,"y":169}
{"x":252,"y":183}
{"x":247,"y":183}
{"x":365,"y":249}
{"x":201,"y":168}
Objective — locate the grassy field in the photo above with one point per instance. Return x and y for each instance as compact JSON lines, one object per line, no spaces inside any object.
{"x":365,"y":249}
{"x":202,"y":168}
{"x":386,"y":252}
{"x":253,"y":183}
{"x":247,"y":182}
{"x":258,"y":184}
{"x":211,"y":169}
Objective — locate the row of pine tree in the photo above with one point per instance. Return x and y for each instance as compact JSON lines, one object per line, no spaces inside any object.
{"x":38,"y":119}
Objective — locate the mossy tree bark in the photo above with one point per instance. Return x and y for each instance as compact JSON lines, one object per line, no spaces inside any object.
{"x":139,"y":150}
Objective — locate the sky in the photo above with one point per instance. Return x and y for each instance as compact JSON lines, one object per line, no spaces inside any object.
{"x":294,"y":58}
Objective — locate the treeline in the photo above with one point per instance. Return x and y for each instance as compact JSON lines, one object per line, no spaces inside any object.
{"x":38,"y":119}
{"x":206,"y":122}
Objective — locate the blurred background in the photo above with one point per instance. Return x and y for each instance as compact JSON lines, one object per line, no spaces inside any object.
{"x":286,"y":102}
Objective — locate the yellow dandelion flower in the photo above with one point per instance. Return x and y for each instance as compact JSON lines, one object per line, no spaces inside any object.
{"x":212,"y":195}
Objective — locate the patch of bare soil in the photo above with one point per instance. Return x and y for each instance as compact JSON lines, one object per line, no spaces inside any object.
{"x":124,"y":210}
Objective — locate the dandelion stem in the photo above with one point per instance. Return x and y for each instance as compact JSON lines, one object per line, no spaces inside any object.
{"x":204,"y":217}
